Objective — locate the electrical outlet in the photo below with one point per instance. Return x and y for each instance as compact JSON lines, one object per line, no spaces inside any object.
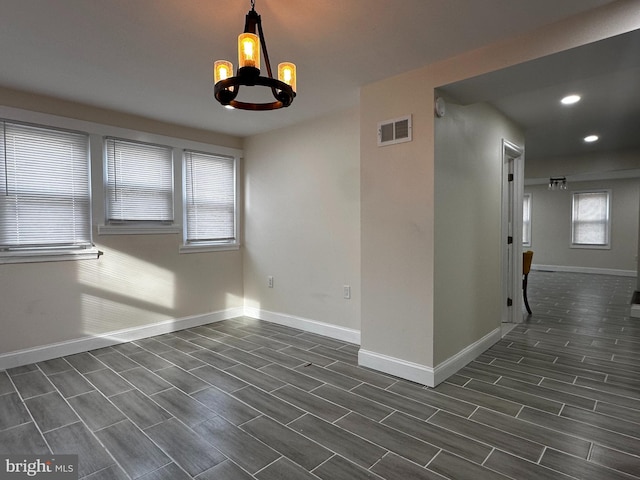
{"x":270,"y":281}
{"x":346,"y":291}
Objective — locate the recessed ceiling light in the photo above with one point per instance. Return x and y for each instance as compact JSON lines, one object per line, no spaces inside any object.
{"x":570,"y":99}
{"x":591,"y":138}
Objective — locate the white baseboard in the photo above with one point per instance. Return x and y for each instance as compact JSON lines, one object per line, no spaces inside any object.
{"x":414,"y":372}
{"x":424,"y":374}
{"x":84,"y":344}
{"x":507,"y":327}
{"x":452,"y":364}
{"x":313,"y":326}
{"x":397,"y":367}
{"x":594,"y":270}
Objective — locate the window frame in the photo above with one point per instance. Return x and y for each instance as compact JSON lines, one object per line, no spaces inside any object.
{"x":212,"y":246}
{"x":97,"y":132}
{"x":136,"y":227}
{"x":527,"y":226}
{"x":51,"y":252}
{"x":605,"y":246}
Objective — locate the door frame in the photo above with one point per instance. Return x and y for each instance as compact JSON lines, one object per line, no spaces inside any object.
{"x":511,"y":226}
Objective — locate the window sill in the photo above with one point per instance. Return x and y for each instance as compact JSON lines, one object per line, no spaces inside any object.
{"x":49,"y":255}
{"x":220,"y":247}
{"x":138,"y":229}
{"x":591,"y":247}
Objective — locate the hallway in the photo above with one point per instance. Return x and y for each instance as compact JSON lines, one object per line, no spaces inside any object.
{"x":574,"y":367}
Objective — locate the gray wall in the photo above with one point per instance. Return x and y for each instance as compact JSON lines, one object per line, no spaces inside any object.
{"x":468,"y":200}
{"x":302,"y":221}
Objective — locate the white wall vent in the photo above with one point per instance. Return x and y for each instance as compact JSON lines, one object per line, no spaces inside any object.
{"x":394,"y":131}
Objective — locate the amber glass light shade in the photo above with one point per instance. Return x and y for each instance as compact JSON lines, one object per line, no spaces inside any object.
{"x":248,"y":50}
{"x":287,"y":74}
{"x":251,"y":46}
{"x":222,"y":69}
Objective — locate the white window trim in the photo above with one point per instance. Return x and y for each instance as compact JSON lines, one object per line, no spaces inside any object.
{"x":582,"y":246}
{"x":137,"y":229}
{"x":213,"y":246}
{"x":49,"y":255}
{"x":528,"y":245}
{"x":133,"y":227}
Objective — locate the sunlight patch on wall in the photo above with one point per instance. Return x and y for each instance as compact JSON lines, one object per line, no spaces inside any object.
{"x":251,"y":303}
{"x":233,"y":301}
{"x":125,"y":277}
{"x":101,"y":315}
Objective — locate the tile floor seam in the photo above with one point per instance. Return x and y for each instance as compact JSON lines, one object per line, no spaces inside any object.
{"x":328,"y":448}
{"x":493,"y":449}
{"x":498,"y":429}
{"x":30,"y":414}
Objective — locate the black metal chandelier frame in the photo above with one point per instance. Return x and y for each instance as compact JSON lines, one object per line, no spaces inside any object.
{"x":557,"y":183}
{"x":227,"y":90}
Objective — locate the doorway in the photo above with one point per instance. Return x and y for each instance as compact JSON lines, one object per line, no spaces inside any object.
{"x":512,"y":195}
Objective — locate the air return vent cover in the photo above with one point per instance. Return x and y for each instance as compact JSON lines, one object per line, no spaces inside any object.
{"x":394,"y":131}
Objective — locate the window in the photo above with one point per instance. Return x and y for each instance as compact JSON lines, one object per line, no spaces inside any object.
{"x":139,"y":181}
{"x":45,"y":207}
{"x":590,"y":220}
{"x":526,"y":220}
{"x":210,"y":201}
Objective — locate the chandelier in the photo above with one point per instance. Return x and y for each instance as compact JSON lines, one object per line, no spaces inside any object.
{"x":558,"y":183}
{"x":250,"y":43}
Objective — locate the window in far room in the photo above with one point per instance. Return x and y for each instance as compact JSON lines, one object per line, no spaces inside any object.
{"x":591,"y":219}
{"x":210,"y":202}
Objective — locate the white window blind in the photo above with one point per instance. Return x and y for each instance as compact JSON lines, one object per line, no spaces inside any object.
{"x":139,"y":182}
{"x":210,"y":199}
{"x":590,"y":219}
{"x":44,"y":188}
{"x":526,"y":220}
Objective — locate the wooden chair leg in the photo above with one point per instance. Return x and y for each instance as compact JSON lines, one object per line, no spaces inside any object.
{"x":524,"y":293}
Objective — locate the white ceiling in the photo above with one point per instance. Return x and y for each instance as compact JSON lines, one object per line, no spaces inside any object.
{"x":154,"y":57}
{"x":606,"y":74}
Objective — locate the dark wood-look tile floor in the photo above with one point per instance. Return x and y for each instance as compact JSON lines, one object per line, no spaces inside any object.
{"x":557,"y":398}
